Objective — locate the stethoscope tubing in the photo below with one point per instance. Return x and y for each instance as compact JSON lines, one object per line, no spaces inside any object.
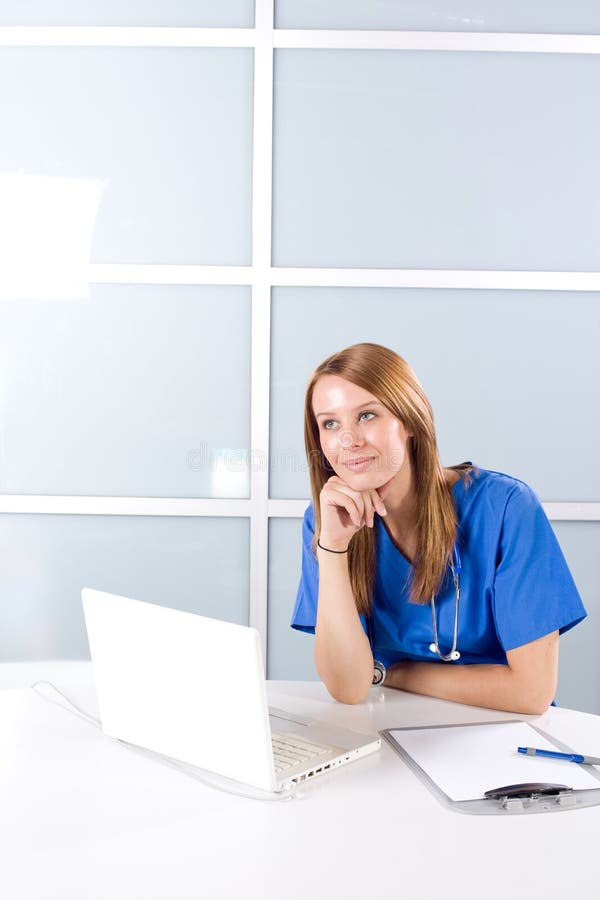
{"x":454,"y":654}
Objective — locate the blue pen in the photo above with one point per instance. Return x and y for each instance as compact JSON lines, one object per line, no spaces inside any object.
{"x":554,"y":754}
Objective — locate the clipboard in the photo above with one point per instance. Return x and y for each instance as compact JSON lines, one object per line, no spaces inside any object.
{"x":475,"y":768}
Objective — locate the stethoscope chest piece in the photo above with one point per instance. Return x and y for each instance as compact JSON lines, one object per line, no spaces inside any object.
{"x":447,"y":657}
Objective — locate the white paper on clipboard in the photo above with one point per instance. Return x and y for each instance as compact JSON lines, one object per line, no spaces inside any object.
{"x":464,"y":761}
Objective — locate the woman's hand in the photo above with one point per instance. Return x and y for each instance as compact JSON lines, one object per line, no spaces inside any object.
{"x":344,"y":511}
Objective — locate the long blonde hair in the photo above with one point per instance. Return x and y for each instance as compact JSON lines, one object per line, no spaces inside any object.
{"x":392,"y":381}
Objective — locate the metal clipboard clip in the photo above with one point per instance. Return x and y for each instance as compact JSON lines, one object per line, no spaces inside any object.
{"x":518,"y":797}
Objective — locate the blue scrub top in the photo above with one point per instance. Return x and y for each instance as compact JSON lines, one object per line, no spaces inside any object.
{"x":515,"y":583}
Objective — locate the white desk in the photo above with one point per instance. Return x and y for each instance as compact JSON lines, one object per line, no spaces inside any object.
{"x":82,"y":817}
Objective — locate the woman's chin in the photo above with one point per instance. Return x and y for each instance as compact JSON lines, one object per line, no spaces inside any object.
{"x":367,"y":481}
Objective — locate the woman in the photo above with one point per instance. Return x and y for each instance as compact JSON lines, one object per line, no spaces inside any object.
{"x":445,"y":582}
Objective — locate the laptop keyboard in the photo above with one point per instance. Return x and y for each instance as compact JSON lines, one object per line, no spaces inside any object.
{"x":289,"y":750}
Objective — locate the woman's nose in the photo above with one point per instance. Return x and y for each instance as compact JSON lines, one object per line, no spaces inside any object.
{"x":350,"y":438}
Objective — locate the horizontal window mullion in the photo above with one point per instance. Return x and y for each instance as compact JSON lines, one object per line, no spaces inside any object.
{"x":123,"y":506}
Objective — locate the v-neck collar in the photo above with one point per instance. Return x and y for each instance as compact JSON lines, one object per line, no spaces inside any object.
{"x":388,"y":548}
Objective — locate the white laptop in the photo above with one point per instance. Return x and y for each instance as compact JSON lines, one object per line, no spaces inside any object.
{"x":193,"y":688}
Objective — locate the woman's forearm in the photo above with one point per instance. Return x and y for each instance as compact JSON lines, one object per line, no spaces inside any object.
{"x":517,"y":688}
{"x":342,"y":653}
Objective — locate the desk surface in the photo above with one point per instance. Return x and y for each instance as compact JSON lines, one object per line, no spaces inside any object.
{"x":82,"y":817}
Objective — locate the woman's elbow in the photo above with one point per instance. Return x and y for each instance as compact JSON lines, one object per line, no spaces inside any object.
{"x":536,"y":700}
{"x":350,"y":686}
{"x":535,"y":706}
{"x":534,"y":674}
{"x":351,"y":696}
{"x":346,"y":690}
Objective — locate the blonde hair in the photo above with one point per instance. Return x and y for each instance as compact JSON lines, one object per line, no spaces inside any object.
{"x":392,"y":381}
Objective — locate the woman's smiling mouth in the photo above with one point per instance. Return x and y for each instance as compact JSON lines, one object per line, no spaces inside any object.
{"x":358,"y":464}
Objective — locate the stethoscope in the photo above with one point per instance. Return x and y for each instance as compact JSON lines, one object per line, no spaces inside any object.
{"x":434,"y":647}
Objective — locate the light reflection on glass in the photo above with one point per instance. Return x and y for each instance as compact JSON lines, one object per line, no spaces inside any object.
{"x":46,"y":228}
{"x":229,"y":476}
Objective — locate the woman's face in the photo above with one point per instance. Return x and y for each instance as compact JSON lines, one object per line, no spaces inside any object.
{"x":362,"y":441}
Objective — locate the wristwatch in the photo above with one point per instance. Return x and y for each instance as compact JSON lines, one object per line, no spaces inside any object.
{"x":378,"y":673}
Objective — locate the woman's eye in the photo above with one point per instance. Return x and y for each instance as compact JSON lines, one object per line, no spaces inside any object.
{"x":329,"y":424}
{"x":366,"y":416}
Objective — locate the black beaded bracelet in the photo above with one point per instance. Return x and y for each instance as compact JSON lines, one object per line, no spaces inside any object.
{"x":319,"y":544}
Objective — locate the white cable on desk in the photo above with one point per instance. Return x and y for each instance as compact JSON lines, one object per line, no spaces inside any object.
{"x":75,"y":710}
{"x":214,"y":781}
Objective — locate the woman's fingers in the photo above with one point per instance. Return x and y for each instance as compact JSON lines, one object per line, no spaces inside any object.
{"x":369,"y":516}
{"x":335,"y":496}
{"x":361,"y":506}
{"x":340,"y":487}
{"x":373,"y":504}
{"x":378,"y":503}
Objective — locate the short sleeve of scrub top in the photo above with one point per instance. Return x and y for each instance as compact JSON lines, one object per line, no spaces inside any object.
{"x":534,"y":592}
{"x":515,"y":584}
{"x":305,"y":612}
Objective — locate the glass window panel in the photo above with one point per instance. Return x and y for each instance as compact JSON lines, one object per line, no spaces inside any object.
{"x":198,"y":565}
{"x":579,"y":666}
{"x":540,"y":16}
{"x":290,"y":652}
{"x":206,"y":13}
{"x":512,"y":376}
{"x":126,"y":393}
{"x":436,"y":160}
{"x":137,"y":155}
